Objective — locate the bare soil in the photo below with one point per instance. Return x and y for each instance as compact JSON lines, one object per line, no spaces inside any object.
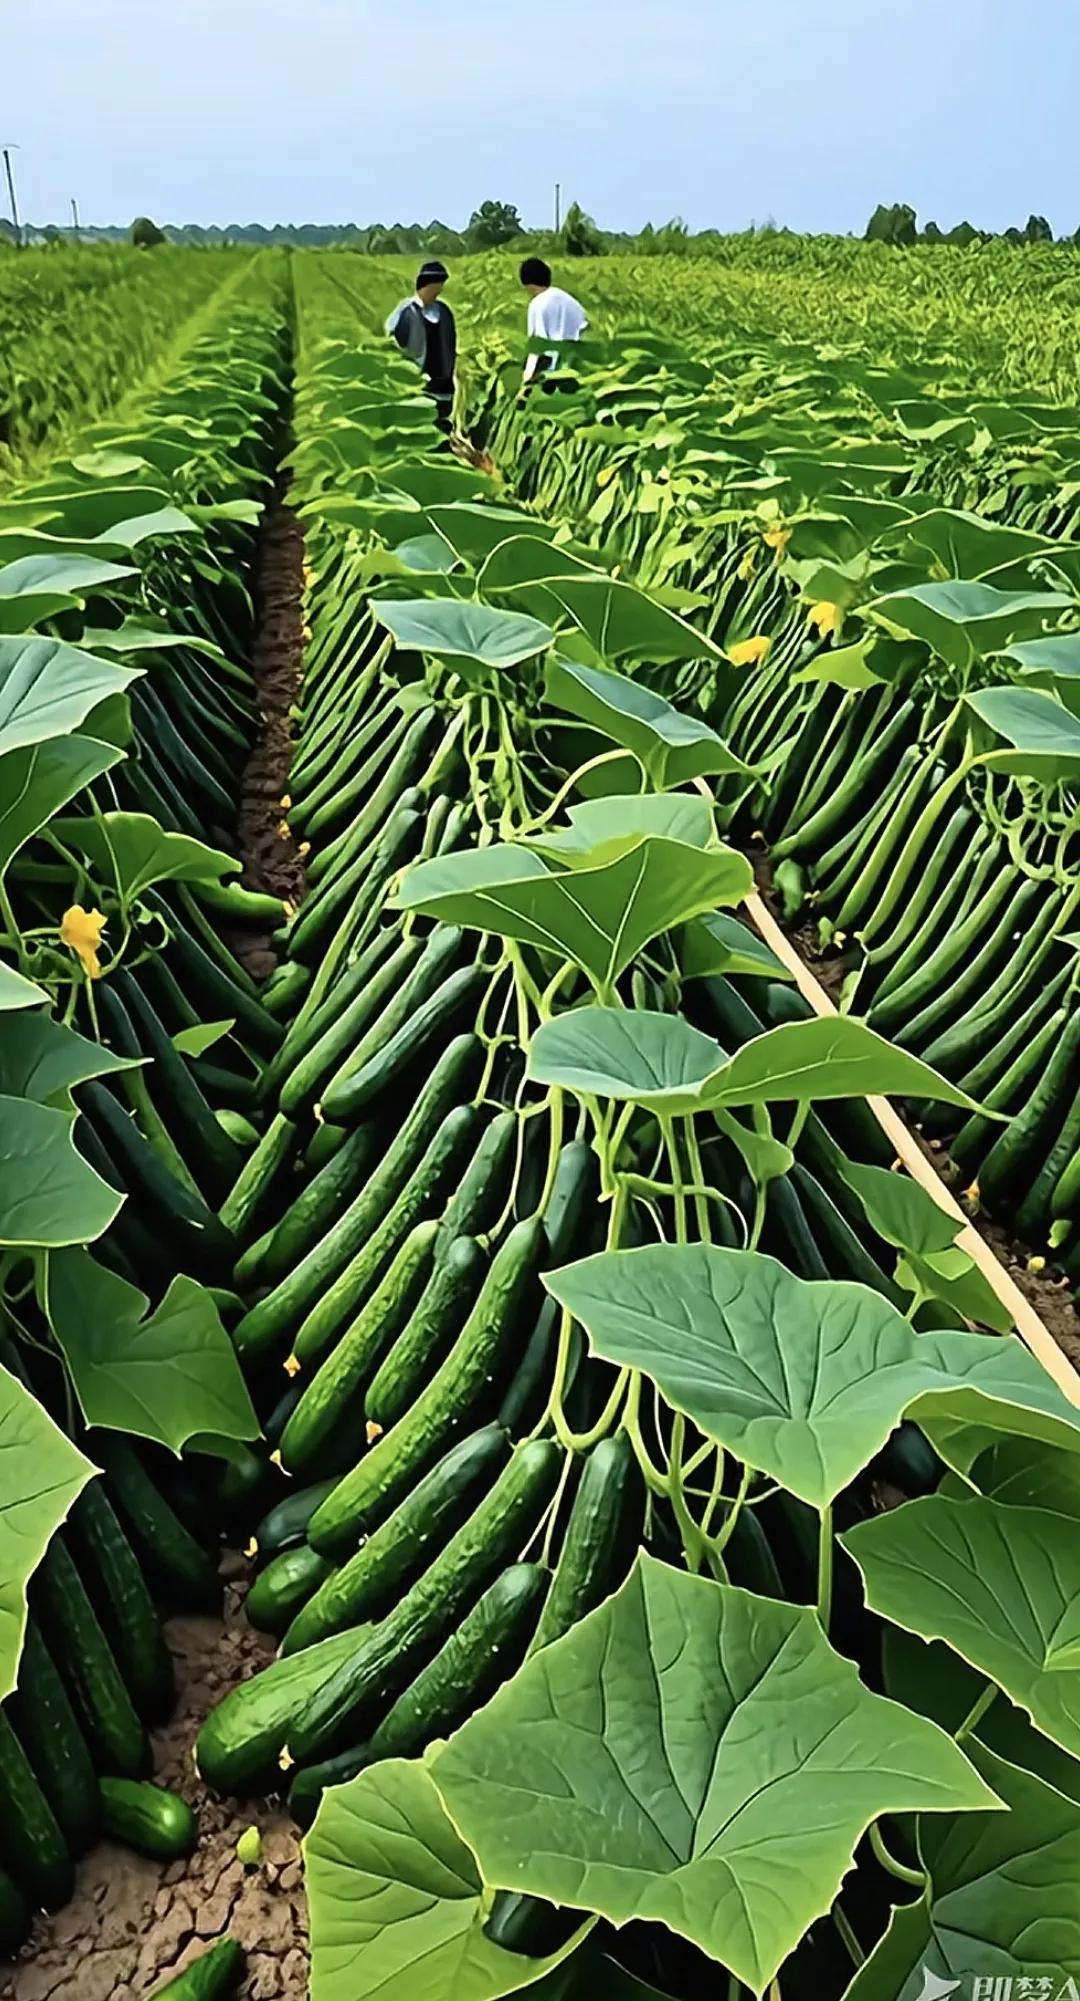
{"x":134,"y":1923}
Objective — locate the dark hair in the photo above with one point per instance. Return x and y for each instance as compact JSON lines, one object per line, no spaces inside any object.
{"x":430,"y":273}
{"x":535,"y":272}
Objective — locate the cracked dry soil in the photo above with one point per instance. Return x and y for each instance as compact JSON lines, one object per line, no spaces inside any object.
{"x":133,"y":1923}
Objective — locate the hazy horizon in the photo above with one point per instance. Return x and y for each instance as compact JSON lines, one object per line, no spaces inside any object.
{"x":806,"y":115}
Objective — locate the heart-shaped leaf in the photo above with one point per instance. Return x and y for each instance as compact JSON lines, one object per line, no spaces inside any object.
{"x":1028,"y":733}
{"x":622,"y":622}
{"x":803,"y":1379}
{"x":660,"y":1762}
{"x":43,"y":1060}
{"x":671,"y":748}
{"x":48,"y":689}
{"x":722,"y":945}
{"x":38,"y":587}
{"x":963,"y":622}
{"x":169,"y":1375}
{"x":999,"y":1584}
{"x":132,"y":851}
{"x":49,"y":1195}
{"x":602,"y":827}
{"x":397,"y":1902}
{"x":15,"y":991}
{"x":41,"y":1475}
{"x":454,"y":629}
{"x":899,"y":1209}
{"x":40,"y":779}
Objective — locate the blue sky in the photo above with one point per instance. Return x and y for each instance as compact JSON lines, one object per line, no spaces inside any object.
{"x":722,"y":111}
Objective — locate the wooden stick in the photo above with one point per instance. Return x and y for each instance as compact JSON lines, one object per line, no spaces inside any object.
{"x":1032,"y":1330}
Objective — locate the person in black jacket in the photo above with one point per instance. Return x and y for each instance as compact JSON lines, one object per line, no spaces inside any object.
{"x":424,"y":327}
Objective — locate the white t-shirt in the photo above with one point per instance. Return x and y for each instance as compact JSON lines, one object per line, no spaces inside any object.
{"x":555,"y":315}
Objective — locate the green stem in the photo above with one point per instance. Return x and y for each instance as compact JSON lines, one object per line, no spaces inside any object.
{"x":858,"y":1956}
{"x":555,"y":1138}
{"x":825,"y":1568}
{"x":977,"y":1711}
{"x":700,"y":1190}
{"x":892,"y":1864}
{"x":678,"y":1183}
{"x":656,"y":1481}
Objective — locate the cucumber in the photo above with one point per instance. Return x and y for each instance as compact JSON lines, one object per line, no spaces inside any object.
{"x":286,"y":1524}
{"x":147,"y":1819}
{"x":206,"y":1147}
{"x":424,"y":1191}
{"x":284,"y":1587}
{"x":589,"y":1566}
{"x":238,"y":1747}
{"x":348,"y":1028}
{"x":320,"y":1202}
{"x":276,"y":1318}
{"x":222,"y":995}
{"x":478,"y":1200}
{"x":78,"y":1645}
{"x":483,"y":1652}
{"x":310,"y":1783}
{"x":285,"y":988}
{"x":354,"y":897}
{"x":192,"y":1227}
{"x":123,"y":1601}
{"x":429,"y":1331}
{"x":48,"y":1730}
{"x":842,"y":1249}
{"x":239,"y":905}
{"x":216,"y":1974}
{"x":325,"y":1141}
{"x":1010,"y":1158}
{"x":32,"y":1847}
{"x":176,"y":1560}
{"x":341,"y":799}
{"x":368,"y":1584}
{"x":16,"y":1916}
{"x":317,"y":1017}
{"x":571,"y":1209}
{"x":462,"y":1383}
{"x":1034,"y":1214}
{"x":383,"y":1661}
{"x":456,"y":999}
{"x":978,"y":1133}
{"x":421,"y":967}
{"x":133,"y":1084}
{"x":251,"y":1191}
{"x":333,"y":1395}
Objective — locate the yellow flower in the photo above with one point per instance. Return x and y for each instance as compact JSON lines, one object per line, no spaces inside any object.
{"x":81,"y":930}
{"x":749,"y":652}
{"x":778,"y":539}
{"x":826,"y":617}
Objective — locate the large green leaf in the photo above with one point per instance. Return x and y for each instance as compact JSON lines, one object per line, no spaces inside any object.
{"x":803,"y":1379}
{"x":965,"y":545}
{"x":622,"y":622}
{"x":1028,"y":1473}
{"x":133,"y":851}
{"x":899,"y":1209}
{"x":40,"y":779}
{"x":1043,"y":738}
{"x":397,"y":1903}
{"x":720,"y":944}
{"x":999,"y":1584}
{"x":660,"y":1060}
{"x":454,"y":629}
{"x":599,"y":917}
{"x":601,"y":827}
{"x":43,"y":1060}
{"x":49,"y":1195}
{"x":1000,"y":1910}
{"x":169,"y":1375}
{"x":16,"y":992}
{"x":47,"y":689}
{"x":671,"y":748}
{"x":41,"y":1475}
{"x":963,"y":622}
{"x":667,"y":1760}
{"x":39,"y":587}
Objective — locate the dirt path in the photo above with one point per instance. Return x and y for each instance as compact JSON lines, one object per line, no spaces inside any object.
{"x":132,"y":1923}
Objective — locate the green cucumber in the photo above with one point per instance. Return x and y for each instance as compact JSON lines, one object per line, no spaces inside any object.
{"x":286,"y":1523}
{"x":1034,"y":1214}
{"x":48,"y":1730}
{"x":176,"y":1560}
{"x":1010,"y":1158}
{"x":396,"y":778}
{"x":429,"y":1331}
{"x":133,"y":1084}
{"x":419,"y":968}
{"x":318,"y":1205}
{"x":215,"y":1974}
{"x":246,"y":1200}
{"x":590,"y":1564}
{"x":383,"y":1661}
{"x":282,"y":1589}
{"x":453,"y":1398}
{"x":309,"y":1074}
{"x":311,"y":1782}
{"x":334,"y":1393}
{"x":285,"y":988}
{"x":276,"y":1318}
{"x":241,"y":1741}
{"x":32,"y":1847}
{"x":480,"y":1196}
{"x":329,"y":920}
{"x":315,"y":1018}
{"x":192,"y":1224}
{"x":424,"y":1192}
{"x":147,"y":1818}
{"x":16,"y":1916}
{"x":127,"y":1611}
{"x":482,"y":1653}
{"x":206,"y":1147}
{"x":239,"y":905}
{"x":342,"y":796}
{"x":80,"y":1649}
{"x":954,"y":949}
{"x":567,"y":1217}
{"x":978,"y":1133}
{"x":369,"y":1583}
{"x":439,"y":1015}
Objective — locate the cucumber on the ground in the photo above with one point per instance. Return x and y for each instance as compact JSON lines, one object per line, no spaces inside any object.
{"x":452,"y":1399}
{"x":216,"y":1974}
{"x":285,"y":1524}
{"x":147,"y":1818}
{"x":16,"y":1916}
{"x":311,"y":1782}
{"x":32,"y":1847}
{"x":123,"y":1602}
{"x":284,"y":1586}
{"x":383,"y":1661}
{"x":595,"y":1539}
{"x":368,"y":1584}
{"x":238,"y":1747}
{"x":78,"y":1645}
{"x":48,"y":1730}
{"x":430,"y":1329}
{"x":176,"y":1560}
{"x":478,"y":1657}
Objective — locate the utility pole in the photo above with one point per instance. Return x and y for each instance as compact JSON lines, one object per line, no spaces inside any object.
{"x":75,"y":215}
{"x":558,"y":207}
{"x":7,"y":152}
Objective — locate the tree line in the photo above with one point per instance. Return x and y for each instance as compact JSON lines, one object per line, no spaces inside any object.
{"x":898,"y":224}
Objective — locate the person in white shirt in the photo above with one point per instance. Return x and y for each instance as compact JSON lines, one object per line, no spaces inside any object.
{"x":553,"y":315}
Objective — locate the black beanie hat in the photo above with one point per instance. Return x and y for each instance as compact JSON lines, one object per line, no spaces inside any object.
{"x":430,"y":271}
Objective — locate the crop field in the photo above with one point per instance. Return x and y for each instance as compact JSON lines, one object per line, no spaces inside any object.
{"x":540,"y":1132}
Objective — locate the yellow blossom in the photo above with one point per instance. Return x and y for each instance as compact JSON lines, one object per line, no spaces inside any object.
{"x":81,"y":930}
{"x":291,"y":1365}
{"x":825,"y":617}
{"x":778,"y":539}
{"x":373,"y":1430}
{"x":749,"y":652}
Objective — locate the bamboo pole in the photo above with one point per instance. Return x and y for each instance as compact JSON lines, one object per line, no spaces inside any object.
{"x":1032,"y":1330}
